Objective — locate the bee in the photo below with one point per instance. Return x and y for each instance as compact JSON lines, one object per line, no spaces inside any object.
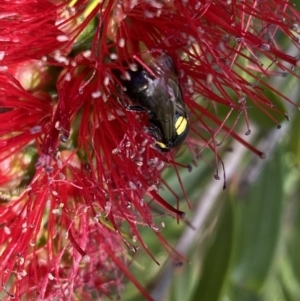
{"x":156,"y":90}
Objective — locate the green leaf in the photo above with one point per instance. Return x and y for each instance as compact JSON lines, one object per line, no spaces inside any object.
{"x":294,"y":141}
{"x":257,"y":222}
{"x":183,"y":281}
{"x":292,"y":239}
{"x":217,"y":260}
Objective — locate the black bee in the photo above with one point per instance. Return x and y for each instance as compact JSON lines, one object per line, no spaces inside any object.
{"x":156,"y":90}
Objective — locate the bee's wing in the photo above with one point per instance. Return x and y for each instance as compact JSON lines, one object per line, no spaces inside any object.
{"x":164,"y":102}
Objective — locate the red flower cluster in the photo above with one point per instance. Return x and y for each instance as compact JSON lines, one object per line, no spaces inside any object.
{"x":77,"y":168}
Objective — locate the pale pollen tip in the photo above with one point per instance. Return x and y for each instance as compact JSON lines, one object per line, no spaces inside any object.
{"x":62,"y":38}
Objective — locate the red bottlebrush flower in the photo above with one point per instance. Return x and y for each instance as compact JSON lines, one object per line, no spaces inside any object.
{"x":86,"y":169}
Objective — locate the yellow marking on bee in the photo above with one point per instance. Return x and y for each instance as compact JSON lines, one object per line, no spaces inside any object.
{"x":180,"y":125}
{"x":162,"y":145}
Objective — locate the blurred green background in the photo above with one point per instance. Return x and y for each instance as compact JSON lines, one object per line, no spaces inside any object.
{"x":241,"y":243}
{"x":246,"y":243}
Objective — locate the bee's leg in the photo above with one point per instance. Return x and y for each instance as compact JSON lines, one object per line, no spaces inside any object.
{"x":135,"y":108}
{"x":154,"y":130}
{"x":130,"y":107}
{"x":151,"y":130}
